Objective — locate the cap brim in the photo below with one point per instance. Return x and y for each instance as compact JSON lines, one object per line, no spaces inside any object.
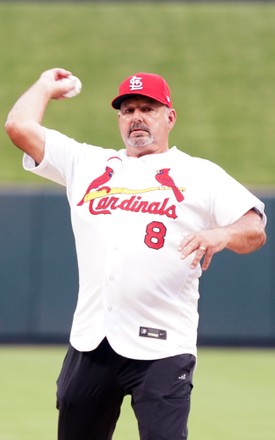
{"x":116,"y":102}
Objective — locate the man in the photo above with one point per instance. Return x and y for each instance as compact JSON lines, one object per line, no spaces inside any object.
{"x":144,"y":218}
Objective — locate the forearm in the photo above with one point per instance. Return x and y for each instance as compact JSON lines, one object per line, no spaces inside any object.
{"x":24,"y":121}
{"x":31,"y":106}
{"x":247,"y":234}
{"x":25,"y":118}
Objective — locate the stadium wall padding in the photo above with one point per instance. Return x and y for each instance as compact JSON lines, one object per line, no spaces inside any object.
{"x":39,"y":280}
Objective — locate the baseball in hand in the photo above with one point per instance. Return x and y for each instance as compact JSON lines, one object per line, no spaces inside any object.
{"x":77,"y":87}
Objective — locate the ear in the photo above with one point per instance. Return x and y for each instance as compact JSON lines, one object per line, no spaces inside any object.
{"x":172,"y":116}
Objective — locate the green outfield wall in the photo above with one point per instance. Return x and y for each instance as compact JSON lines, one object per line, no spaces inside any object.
{"x":38,"y":278}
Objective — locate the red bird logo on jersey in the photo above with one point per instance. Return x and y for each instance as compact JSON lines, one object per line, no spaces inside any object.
{"x":164,"y":179}
{"x":98,"y":182}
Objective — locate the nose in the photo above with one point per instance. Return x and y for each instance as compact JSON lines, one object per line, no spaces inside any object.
{"x":137,"y":115}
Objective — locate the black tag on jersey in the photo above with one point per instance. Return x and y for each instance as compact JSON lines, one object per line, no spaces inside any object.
{"x":148,"y":332}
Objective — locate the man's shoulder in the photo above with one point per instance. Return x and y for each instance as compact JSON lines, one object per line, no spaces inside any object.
{"x":196,"y":160}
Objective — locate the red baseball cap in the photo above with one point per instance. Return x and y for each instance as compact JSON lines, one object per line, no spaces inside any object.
{"x":145,"y":84}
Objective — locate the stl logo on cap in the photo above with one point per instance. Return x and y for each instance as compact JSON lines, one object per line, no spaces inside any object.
{"x":136,"y":83}
{"x":150,"y":85}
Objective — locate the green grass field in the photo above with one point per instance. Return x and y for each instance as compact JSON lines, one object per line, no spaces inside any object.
{"x":233,"y":397}
{"x":218,"y":58}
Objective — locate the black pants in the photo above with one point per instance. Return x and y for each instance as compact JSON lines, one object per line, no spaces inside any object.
{"x":92,"y":385}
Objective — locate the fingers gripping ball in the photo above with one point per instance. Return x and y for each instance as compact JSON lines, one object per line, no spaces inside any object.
{"x":76,"y":89}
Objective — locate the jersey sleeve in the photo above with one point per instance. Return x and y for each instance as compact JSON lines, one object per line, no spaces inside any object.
{"x":230,"y":200}
{"x":62,"y":155}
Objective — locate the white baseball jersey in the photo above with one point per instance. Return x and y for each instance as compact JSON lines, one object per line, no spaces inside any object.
{"x":128,"y":216}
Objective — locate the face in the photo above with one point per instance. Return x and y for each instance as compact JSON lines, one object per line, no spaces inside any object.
{"x":144,"y":125}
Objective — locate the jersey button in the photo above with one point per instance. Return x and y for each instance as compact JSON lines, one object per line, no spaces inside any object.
{"x":111,"y":277}
{"x":109,"y":308}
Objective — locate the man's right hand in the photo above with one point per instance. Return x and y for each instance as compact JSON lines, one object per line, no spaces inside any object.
{"x":56,"y":82}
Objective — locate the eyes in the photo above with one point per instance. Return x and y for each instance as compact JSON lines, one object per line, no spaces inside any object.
{"x":128,"y":110}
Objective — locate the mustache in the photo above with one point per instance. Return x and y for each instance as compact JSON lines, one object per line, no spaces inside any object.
{"x":138,"y":126}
